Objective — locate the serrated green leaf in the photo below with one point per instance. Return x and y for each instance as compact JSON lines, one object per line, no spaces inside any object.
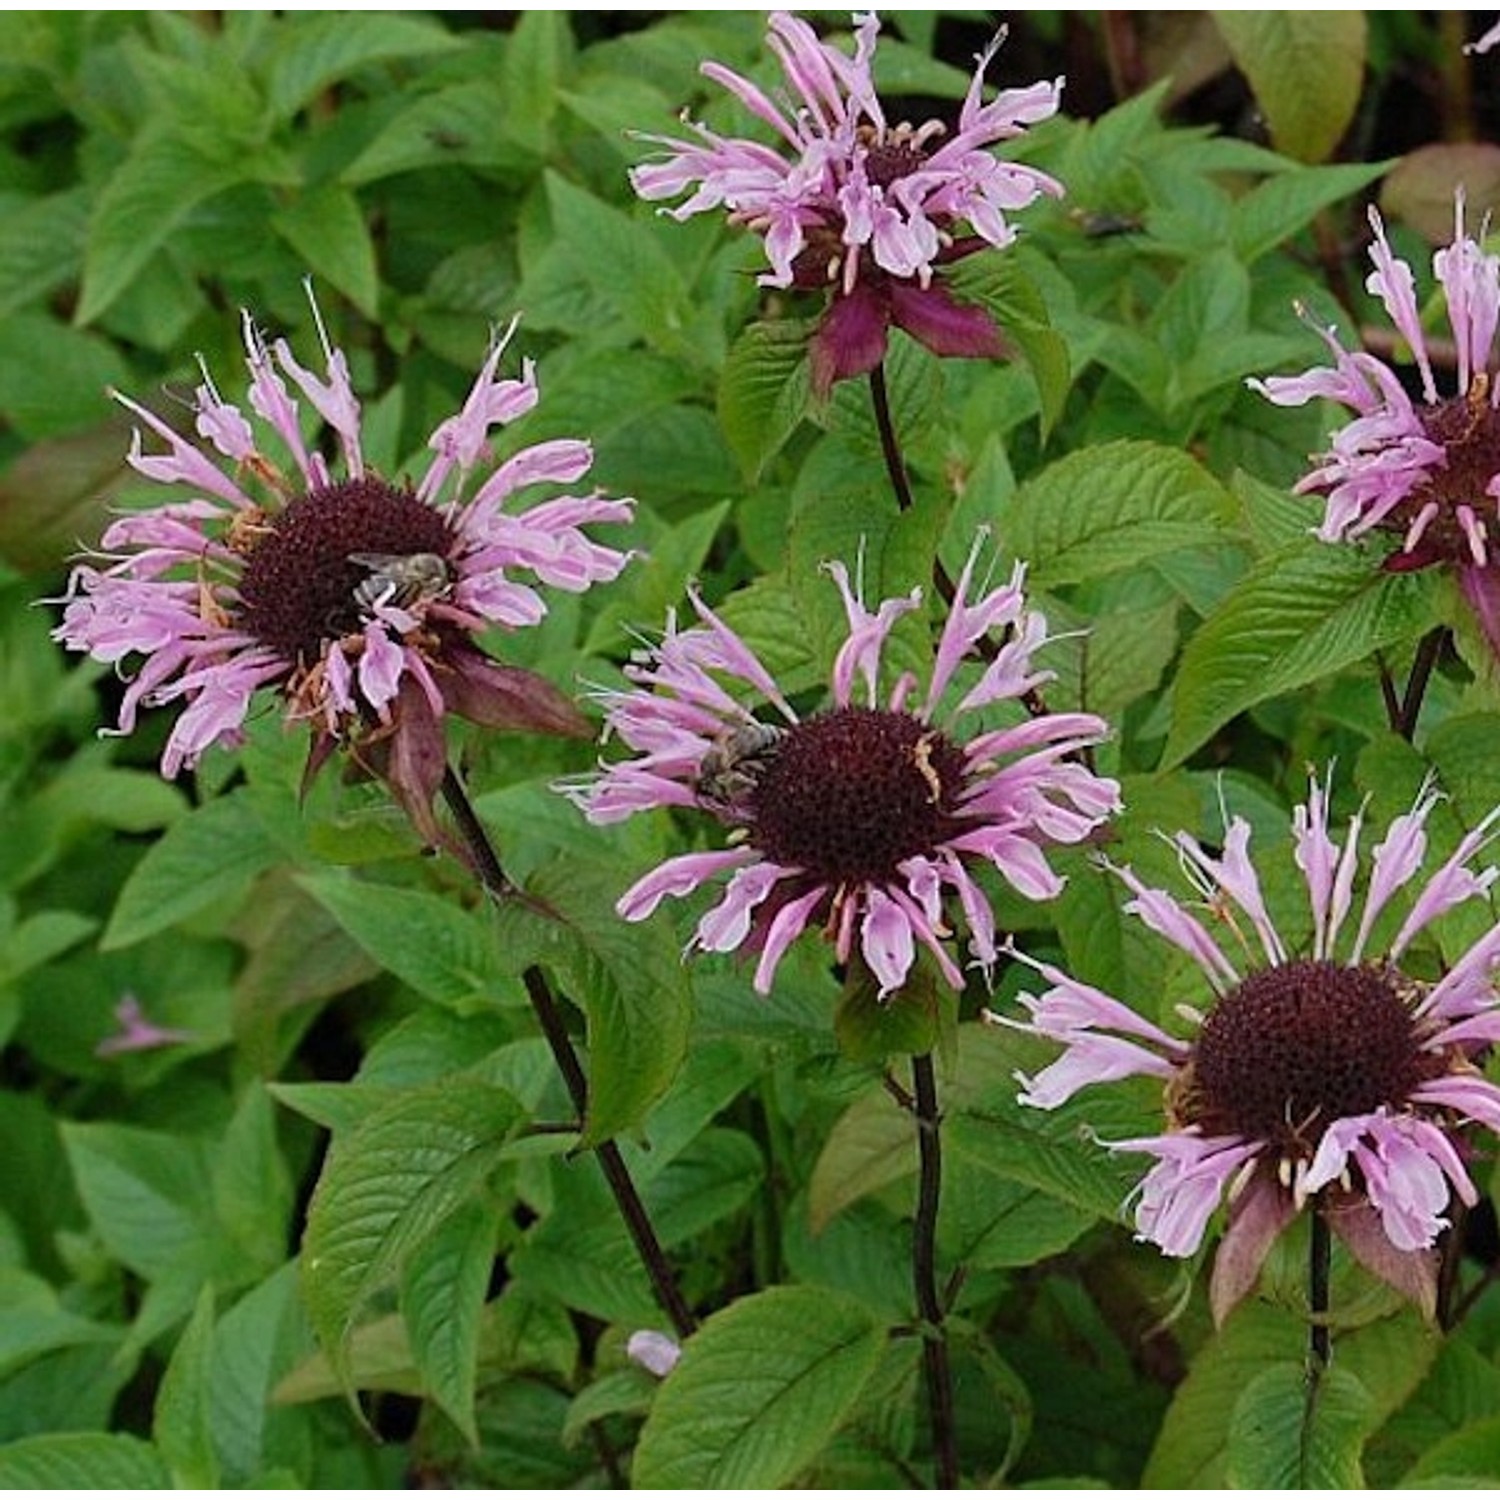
{"x":315,"y":51}
{"x":148,"y":1196}
{"x":760,"y":1390}
{"x":1000,"y":284}
{"x":1285,"y":1434}
{"x":1387,"y":1359}
{"x":442,"y":1296}
{"x":1276,"y":209}
{"x":1275,"y":518}
{"x":464,"y":122}
{"x":441,"y":950}
{"x":143,"y":202}
{"x":1303,"y":613}
{"x":386,"y":1186}
{"x":538,"y":54}
{"x":210,"y":854}
{"x":637,"y":278}
{"x":764,"y":391}
{"x":82,"y":1461}
{"x":631,"y":984}
{"x":1307,"y":69}
{"x":1112,"y":507}
{"x":327,"y":228}
{"x":180,"y":1422}
{"x":41,"y":247}
{"x":254,"y":1342}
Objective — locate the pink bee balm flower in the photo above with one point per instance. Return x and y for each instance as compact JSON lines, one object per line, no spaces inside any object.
{"x":1340,"y":1081}
{"x":848,"y":203}
{"x":138,"y":1032}
{"x":354,"y":598}
{"x":1424,"y":470}
{"x":863,"y":818}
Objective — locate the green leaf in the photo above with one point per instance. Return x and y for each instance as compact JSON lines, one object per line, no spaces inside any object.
{"x":442,"y":1296}
{"x":386,"y":1186}
{"x":870,"y":1029}
{"x":212,"y":853}
{"x":538,"y":55}
{"x":1285,"y":1436}
{"x":1301,"y":614}
{"x":144,"y":201}
{"x":33,"y":1322}
{"x":52,"y":377}
{"x":636,"y":278}
{"x":624,"y":1392}
{"x":1468,"y":1456}
{"x":150,"y":1199}
{"x":1276,"y":209}
{"x":82,"y":1461}
{"x":630,"y":981}
{"x":1000,"y":284}
{"x":760,"y":1390}
{"x":41,"y":247}
{"x":180,"y":1423}
{"x":254,"y":1342}
{"x":1307,"y":68}
{"x":327,"y":228}
{"x":315,"y":51}
{"x":764,"y":391}
{"x":1111,"y":507}
{"x":461,"y":123}
{"x":441,"y":950}
{"x":39,"y":938}
{"x":1386,"y":1358}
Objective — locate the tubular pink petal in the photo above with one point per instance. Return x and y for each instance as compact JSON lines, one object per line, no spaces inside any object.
{"x":1089,"y":1059}
{"x":785,"y":928}
{"x":723,"y":929}
{"x":675,"y":877}
{"x":886,"y":942}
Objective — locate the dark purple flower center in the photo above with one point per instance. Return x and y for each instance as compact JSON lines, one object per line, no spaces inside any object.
{"x":303,"y":582}
{"x":892,"y":160}
{"x":851,"y":793}
{"x":1468,"y":428}
{"x":1298,"y":1046}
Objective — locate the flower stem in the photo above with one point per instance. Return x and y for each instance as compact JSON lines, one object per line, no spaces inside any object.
{"x":895,"y":465}
{"x":924,"y":1272}
{"x":550,"y":1018}
{"x":1319,"y":1262}
{"x":1422,"y":666}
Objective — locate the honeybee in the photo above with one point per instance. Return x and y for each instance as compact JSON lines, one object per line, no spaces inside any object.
{"x":735,"y":762}
{"x":401,"y":580}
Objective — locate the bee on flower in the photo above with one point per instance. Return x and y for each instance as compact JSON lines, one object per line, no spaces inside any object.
{"x":863,"y":819}
{"x":353,"y":598}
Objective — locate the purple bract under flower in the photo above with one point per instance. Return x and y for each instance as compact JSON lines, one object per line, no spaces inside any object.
{"x":1310,"y":1075}
{"x":864,"y":817}
{"x":849,"y":203}
{"x":355,"y":598}
{"x":1428,"y":470}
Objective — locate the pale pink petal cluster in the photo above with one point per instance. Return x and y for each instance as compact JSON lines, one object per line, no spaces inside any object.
{"x":1023,"y":787}
{"x":1399,"y":1159}
{"x":840,"y":177}
{"x":164,"y":586}
{"x":1425,"y":469}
